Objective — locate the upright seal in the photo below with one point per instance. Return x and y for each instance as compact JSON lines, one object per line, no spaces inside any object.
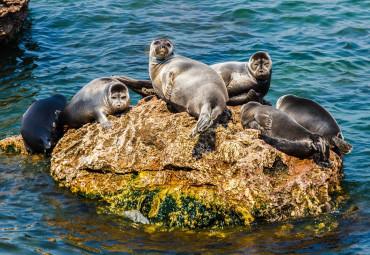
{"x":186,"y":84}
{"x":315,"y":118}
{"x":247,"y":81}
{"x":96,"y":100}
{"x":38,"y":127}
{"x":282,"y":132}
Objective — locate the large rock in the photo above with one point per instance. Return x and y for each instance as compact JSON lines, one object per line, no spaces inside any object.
{"x":225,"y":177}
{"x":12,"y":15}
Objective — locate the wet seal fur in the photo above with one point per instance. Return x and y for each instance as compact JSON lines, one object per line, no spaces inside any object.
{"x":282,"y":132}
{"x":315,"y":118}
{"x":187,"y":85}
{"x":38,"y":127}
{"x":247,"y":81}
{"x":95,"y":101}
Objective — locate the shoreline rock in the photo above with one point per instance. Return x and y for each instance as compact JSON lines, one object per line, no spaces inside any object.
{"x":226,"y":177}
{"x":12,"y":15}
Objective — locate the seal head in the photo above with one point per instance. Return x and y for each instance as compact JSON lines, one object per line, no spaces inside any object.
{"x":260,"y":65}
{"x":161,"y":50}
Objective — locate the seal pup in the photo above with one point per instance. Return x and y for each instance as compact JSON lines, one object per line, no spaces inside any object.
{"x":186,"y":84}
{"x":95,"y":101}
{"x":38,"y":126}
{"x":315,"y":118}
{"x":247,"y":81}
{"x":283,"y":132}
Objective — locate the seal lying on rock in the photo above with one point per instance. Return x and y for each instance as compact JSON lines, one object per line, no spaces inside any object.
{"x":283,"y":132}
{"x":315,"y":118}
{"x":246,"y":81}
{"x":96,"y":100}
{"x":38,"y":128}
{"x":186,"y":84}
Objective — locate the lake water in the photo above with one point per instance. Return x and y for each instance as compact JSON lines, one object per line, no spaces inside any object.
{"x":319,"y":49}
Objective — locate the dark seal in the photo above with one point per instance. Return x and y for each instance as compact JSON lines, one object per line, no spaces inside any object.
{"x":247,"y":81}
{"x":95,"y":101}
{"x":38,"y":127}
{"x":282,"y":132}
{"x":315,"y":118}
{"x":187,"y":85}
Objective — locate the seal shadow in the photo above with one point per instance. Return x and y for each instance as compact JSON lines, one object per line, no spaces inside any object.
{"x":207,"y":140}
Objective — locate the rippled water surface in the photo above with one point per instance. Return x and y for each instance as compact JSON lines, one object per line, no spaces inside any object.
{"x":319,"y":49}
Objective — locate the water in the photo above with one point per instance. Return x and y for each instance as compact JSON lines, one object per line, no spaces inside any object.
{"x":319,"y":49}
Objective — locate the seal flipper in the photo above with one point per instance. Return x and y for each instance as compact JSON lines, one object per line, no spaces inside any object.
{"x":321,"y":147}
{"x":205,"y":120}
{"x":264,"y":120}
{"x":342,"y":145}
{"x":102,"y":119}
{"x":167,"y":80}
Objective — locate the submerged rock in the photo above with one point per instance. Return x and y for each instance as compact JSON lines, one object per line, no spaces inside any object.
{"x":225,"y":177}
{"x":12,"y":15}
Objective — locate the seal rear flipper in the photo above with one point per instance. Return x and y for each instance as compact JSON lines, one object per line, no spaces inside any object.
{"x":342,"y":145}
{"x":204,"y":122}
{"x":321,"y":147}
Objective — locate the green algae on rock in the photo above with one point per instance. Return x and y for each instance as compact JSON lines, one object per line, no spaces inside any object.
{"x":225,"y":177}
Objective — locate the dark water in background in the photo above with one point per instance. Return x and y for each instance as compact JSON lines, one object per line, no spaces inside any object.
{"x":320,"y":50}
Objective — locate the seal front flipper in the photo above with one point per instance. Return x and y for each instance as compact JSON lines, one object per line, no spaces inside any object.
{"x":167,"y":79}
{"x":264,"y":120}
{"x":342,"y":145}
{"x":102,"y":119}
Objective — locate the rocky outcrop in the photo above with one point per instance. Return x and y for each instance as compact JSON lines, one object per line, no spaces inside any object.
{"x":13,"y":145}
{"x":12,"y":15}
{"x":224,"y":177}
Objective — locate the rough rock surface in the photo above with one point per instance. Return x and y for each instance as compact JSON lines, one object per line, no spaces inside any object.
{"x":13,"y":145}
{"x":225,"y":177}
{"x":12,"y":15}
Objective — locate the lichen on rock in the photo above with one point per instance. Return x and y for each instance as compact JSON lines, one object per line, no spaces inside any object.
{"x":225,"y":177}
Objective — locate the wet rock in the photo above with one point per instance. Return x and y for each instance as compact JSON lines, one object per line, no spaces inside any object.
{"x":12,"y":15}
{"x":225,"y":177}
{"x":13,"y":145}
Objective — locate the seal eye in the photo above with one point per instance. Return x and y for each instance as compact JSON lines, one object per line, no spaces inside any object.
{"x":156,"y":43}
{"x":114,"y":97}
{"x":168,"y":45}
{"x":123,"y":97}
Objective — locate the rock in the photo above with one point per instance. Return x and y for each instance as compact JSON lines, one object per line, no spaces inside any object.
{"x":226,"y":177}
{"x":13,"y":145}
{"x":12,"y":15}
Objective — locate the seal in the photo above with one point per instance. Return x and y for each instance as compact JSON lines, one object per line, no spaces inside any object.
{"x":282,"y":132}
{"x":38,"y":126}
{"x":187,"y":85}
{"x":95,"y":101}
{"x":247,"y":81}
{"x":315,"y":118}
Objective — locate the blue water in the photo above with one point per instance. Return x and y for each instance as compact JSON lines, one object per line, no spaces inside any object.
{"x":319,"y":49}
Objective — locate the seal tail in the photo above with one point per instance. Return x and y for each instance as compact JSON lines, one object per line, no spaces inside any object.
{"x":342,"y":145}
{"x":206,"y":118}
